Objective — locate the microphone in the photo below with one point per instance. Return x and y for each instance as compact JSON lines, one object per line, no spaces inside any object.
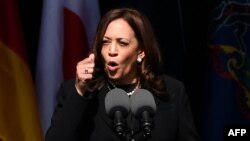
{"x":143,"y":107}
{"x":117,"y":106}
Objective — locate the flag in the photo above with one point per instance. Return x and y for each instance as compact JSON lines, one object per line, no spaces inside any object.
{"x":19,"y":119}
{"x":228,"y":100}
{"x":67,"y":31}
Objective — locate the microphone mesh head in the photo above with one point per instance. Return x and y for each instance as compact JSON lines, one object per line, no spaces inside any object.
{"x":117,"y":100}
{"x":142,"y":100}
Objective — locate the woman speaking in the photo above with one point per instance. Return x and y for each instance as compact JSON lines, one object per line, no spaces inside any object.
{"x":120,"y":92}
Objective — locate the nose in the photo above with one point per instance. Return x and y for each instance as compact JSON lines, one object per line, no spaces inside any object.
{"x":113,"y":51}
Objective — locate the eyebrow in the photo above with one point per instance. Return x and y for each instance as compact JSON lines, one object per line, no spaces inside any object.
{"x":118,"y":39}
{"x":105,"y":38}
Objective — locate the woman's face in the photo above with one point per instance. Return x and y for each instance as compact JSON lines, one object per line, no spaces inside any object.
{"x":120,"y":51}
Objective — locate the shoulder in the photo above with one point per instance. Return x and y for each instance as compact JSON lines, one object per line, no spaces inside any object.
{"x":173,"y":84}
{"x":175,"y":88}
{"x":68,"y":83}
{"x":66,"y":87}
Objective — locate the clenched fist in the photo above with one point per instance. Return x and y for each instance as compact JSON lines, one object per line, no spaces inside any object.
{"x":84,"y":72}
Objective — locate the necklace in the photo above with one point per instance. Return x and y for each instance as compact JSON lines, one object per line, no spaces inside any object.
{"x":128,"y":93}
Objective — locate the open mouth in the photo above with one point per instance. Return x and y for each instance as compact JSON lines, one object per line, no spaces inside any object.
{"x":112,"y":66}
{"x":112,"y":63}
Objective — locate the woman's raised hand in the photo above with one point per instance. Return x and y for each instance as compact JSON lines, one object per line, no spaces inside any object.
{"x":84,"y":72}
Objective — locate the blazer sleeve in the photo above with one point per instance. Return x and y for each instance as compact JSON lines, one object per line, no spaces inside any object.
{"x":69,"y":116}
{"x":187,"y":128}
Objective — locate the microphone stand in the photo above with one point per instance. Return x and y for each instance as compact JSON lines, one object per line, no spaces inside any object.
{"x":146,"y":124}
{"x":120,"y":127}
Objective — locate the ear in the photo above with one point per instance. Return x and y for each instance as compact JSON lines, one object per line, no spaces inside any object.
{"x":141,"y":54}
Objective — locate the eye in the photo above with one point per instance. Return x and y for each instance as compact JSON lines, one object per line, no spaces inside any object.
{"x":123,"y":44}
{"x":105,"y":42}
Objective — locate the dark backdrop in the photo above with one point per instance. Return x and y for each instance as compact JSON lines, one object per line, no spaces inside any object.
{"x":181,"y":28}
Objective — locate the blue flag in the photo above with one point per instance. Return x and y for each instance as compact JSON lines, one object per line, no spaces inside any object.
{"x":228,"y":100}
